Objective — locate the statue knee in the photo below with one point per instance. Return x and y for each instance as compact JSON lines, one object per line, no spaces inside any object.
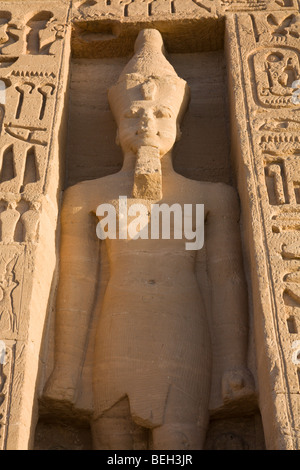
{"x":111,"y":433}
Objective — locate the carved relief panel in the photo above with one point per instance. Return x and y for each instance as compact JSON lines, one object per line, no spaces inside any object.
{"x":6,"y":364}
{"x":139,"y":8}
{"x":151,"y":9}
{"x":31,"y":66}
{"x":268,"y":50}
{"x":12,"y":362}
{"x":29,"y":94}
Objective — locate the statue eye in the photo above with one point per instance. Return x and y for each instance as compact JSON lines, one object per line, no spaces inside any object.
{"x":163,"y":113}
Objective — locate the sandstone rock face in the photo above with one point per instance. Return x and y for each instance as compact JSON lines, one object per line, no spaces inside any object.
{"x":127,"y":339}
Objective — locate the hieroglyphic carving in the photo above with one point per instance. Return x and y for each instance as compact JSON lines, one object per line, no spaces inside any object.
{"x":47,"y":92}
{"x":293,"y":178}
{"x":6,"y":365}
{"x":8,"y":166}
{"x":30,"y":221}
{"x":36,"y":36}
{"x":22,"y":164}
{"x":282,"y":180}
{"x":40,"y":36}
{"x":11,"y":277}
{"x":19,"y":219}
{"x":268,"y":46}
{"x":279,"y":135}
{"x":97,"y":9}
{"x":279,"y":140}
{"x":275,"y":182}
{"x":287,"y":220}
{"x":32,"y":135}
{"x":283,"y":3}
{"x":32,"y":61}
{"x":9,"y":219}
{"x":12,"y":35}
{"x":277,"y":28}
{"x":208,"y":5}
{"x":258,"y":5}
{"x":8,"y":283}
{"x":244,"y":5}
{"x":281,"y":27}
{"x":32,"y":73}
{"x":274,"y":85}
{"x":32,"y":97}
{"x":145,"y":8}
{"x":291,"y":255}
{"x":31,"y":93}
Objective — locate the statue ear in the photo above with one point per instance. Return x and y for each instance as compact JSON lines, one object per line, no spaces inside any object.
{"x":117,"y":138}
{"x":178,"y":133}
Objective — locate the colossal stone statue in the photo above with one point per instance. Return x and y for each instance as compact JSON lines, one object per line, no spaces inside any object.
{"x":152,"y":359}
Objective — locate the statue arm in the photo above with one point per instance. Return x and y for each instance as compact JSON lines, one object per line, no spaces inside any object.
{"x":229,"y":303}
{"x":79,"y":253}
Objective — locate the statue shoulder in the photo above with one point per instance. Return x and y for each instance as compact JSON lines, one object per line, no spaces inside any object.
{"x":83,"y":194}
{"x":90,"y":193}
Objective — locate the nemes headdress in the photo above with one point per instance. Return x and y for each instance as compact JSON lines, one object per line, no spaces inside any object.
{"x":148,"y":76}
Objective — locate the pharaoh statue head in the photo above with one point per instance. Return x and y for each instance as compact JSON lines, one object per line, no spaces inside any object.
{"x":148,"y":103}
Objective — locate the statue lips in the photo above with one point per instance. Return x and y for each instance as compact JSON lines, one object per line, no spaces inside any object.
{"x":147,"y":133}
{"x":147,"y":138}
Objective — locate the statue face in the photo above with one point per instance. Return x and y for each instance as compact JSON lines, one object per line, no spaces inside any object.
{"x":148,"y":123}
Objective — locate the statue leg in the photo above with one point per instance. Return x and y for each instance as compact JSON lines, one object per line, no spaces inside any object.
{"x":115,"y":430}
{"x":185,"y":423}
{"x":178,"y":436}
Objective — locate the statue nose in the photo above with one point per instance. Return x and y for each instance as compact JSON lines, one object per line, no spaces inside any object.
{"x":147,"y":124}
